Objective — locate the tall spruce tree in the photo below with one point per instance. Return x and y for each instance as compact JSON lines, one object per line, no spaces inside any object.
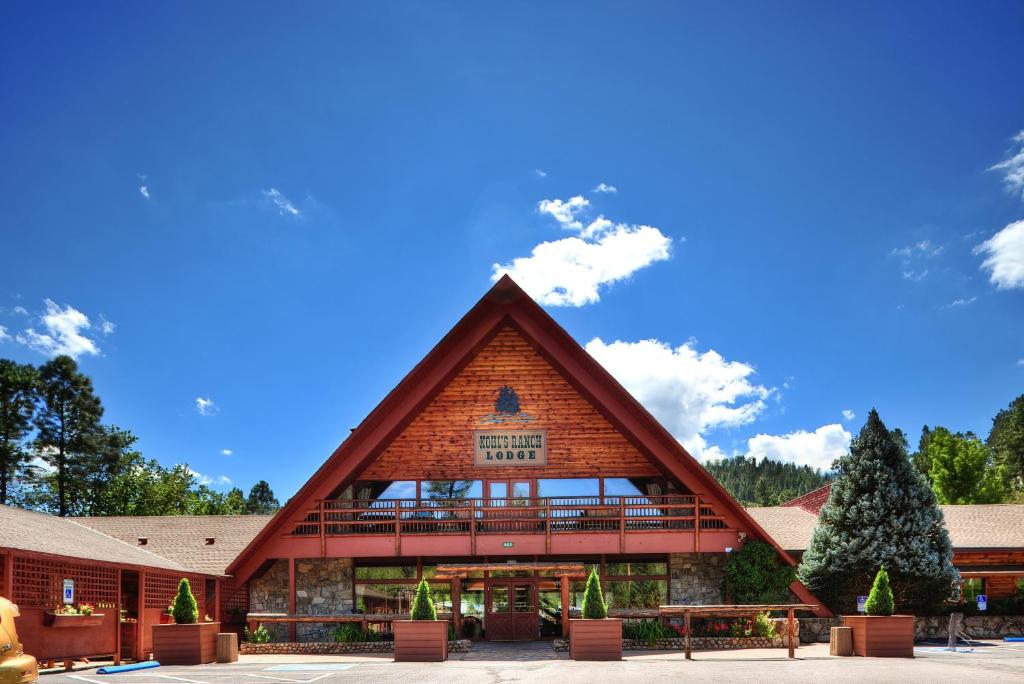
{"x":881,"y":511}
{"x":17,"y":405}
{"x":68,"y":427}
{"x":261,"y":499}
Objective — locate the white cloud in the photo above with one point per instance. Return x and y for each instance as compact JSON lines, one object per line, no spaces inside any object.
{"x":144,"y":191}
{"x":226,"y":452}
{"x":848,"y":414}
{"x":283,"y":204}
{"x":571,"y":271}
{"x":107,"y":327}
{"x":924,"y":248}
{"x":63,"y":332}
{"x":816,"y":449}
{"x":220,"y":480}
{"x":206,"y":406}
{"x":1013,"y":167}
{"x":20,"y":310}
{"x":565,"y":212}
{"x":689,"y":392}
{"x":1004,"y":256}
{"x":540,"y":173}
{"x":962,"y":302}
{"x":916,"y":276}
{"x":3,"y":334}
{"x":605,"y":188}
{"x":1020,"y":362}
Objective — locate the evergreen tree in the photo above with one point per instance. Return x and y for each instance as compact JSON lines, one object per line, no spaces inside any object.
{"x":234,"y":504}
{"x":920,"y":457}
{"x":1007,"y":442}
{"x":880,"y":601}
{"x":594,"y":607}
{"x":881,"y":511}
{"x":261,"y":499}
{"x":961,"y":469}
{"x":68,"y":426}
{"x":756,"y":575}
{"x":765,"y":482}
{"x":422,"y":603}
{"x":17,"y":406}
{"x":185,"y":608}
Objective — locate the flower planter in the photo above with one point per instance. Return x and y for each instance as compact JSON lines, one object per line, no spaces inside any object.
{"x":421,"y":641}
{"x":882,"y":636}
{"x":51,"y":619}
{"x":166,"y":619}
{"x":595,"y":639}
{"x":194,"y":644}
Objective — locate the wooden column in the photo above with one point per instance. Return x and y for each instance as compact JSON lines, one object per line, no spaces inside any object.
{"x":789,"y":631}
{"x":140,"y":626}
{"x":457,"y":605}
{"x":8,"y":588}
{"x":323,"y":530}
{"x":565,"y":606}
{"x":291,"y":598}
{"x":117,"y":622}
{"x":216,"y":600}
{"x":686,"y":624}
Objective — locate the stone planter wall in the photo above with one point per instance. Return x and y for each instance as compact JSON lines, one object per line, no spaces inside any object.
{"x":696,"y":578}
{"x":333,"y":648}
{"x":696,"y":644}
{"x":977,"y":626}
{"x":817,"y":630}
{"x":323,"y":586}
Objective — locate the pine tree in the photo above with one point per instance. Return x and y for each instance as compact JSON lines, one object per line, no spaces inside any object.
{"x":880,"y":600}
{"x":68,"y":425}
{"x":422,"y":604}
{"x":1007,"y":442}
{"x":881,"y":512}
{"x":261,"y":499}
{"x":594,"y":607}
{"x":185,"y":609}
{"x":17,"y":405}
{"x":961,"y":469}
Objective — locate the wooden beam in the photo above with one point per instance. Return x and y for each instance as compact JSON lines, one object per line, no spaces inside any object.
{"x":457,"y":606}
{"x":565,"y":606}
{"x":140,"y":625}
{"x":117,"y":622}
{"x":686,"y":626}
{"x":8,"y":588}
{"x":291,"y":597}
{"x":789,"y":630}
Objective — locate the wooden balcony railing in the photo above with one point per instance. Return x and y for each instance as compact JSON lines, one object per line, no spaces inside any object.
{"x":546,"y":515}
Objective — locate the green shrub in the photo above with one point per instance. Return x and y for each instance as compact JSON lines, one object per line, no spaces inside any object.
{"x":764,"y":625}
{"x":755,"y":574}
{"x":422,"y":604}
{"x":880,"y":599}
{"x":647,"y":631}
{"x":185,"y":609}
{"x":260,"y":636}
{"x":349,"y":633}
{"x":594,"y":607}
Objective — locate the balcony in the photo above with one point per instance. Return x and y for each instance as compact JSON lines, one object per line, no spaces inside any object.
{"x":514,"y":526}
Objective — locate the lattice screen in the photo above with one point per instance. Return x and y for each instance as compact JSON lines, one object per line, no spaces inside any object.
{"x":234,"y":596}
{"x":161,"y":590}
{"x":3,"y":578}
{"x":39,"y":583}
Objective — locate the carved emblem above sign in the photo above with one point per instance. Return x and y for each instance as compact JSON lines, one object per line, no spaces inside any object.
{"x":507,"y":408}
{"x":510,"y":447}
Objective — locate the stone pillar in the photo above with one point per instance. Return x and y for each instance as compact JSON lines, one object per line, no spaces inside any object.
{"x":696,"y":578}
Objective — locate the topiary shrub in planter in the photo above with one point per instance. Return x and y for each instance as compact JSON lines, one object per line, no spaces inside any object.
{"x":595,"y":636}
{"x":879,"y":633}
{"x":423,"y":638}
{"x":186,"y":642}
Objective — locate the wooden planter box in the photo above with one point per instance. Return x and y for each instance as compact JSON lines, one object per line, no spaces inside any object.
{"x":595,"y":639}
{"x":54,"y":620}
{"x":882,"y":636}
{"x":422,"y":641}
{"x":194,"y":644}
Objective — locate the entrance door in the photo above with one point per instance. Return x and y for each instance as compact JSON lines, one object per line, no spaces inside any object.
{"x":511,"y":613}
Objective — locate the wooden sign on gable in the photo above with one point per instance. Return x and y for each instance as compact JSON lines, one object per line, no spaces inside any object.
{"x":510,"y":447}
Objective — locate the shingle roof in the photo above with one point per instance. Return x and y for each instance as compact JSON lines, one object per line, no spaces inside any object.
{"x":977,"y":526}
{"x":813,"y":500}
{"x":42,"y":533}
{"x":790,"y":526}
{"x":182,"y":538}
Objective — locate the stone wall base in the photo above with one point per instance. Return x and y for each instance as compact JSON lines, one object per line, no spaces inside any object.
{"x":976,"y":626}
{"x":696,"y":644}
{"x":335,"y":648}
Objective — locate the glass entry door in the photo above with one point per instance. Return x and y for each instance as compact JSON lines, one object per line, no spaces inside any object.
{"x":511,"y":613}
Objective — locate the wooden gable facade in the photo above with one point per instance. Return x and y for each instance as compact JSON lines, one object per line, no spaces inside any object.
{"x":424,"y":431}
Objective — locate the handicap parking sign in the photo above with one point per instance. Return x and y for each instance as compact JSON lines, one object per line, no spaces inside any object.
{"x":69,"y":591}
{"x":982,"y":602}
{"x":862,"y":602}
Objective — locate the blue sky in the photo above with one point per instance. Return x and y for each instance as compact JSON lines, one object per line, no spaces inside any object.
{"x":279,"y":208}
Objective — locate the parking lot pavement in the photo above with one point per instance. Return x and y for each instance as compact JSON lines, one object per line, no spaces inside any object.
{"x":994,"y":662}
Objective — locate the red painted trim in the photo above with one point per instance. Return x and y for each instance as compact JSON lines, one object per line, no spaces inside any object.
{"x":504,"y":304}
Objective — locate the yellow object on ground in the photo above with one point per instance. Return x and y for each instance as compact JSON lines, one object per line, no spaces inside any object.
{"x":15,"y":666}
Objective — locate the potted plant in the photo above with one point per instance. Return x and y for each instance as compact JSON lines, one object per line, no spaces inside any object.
{"x":879,"y":633}
{"x":187,"y":641}
{"x":595,"y":636}
{"x":70,"y":616}
{"x":422,"y":638}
